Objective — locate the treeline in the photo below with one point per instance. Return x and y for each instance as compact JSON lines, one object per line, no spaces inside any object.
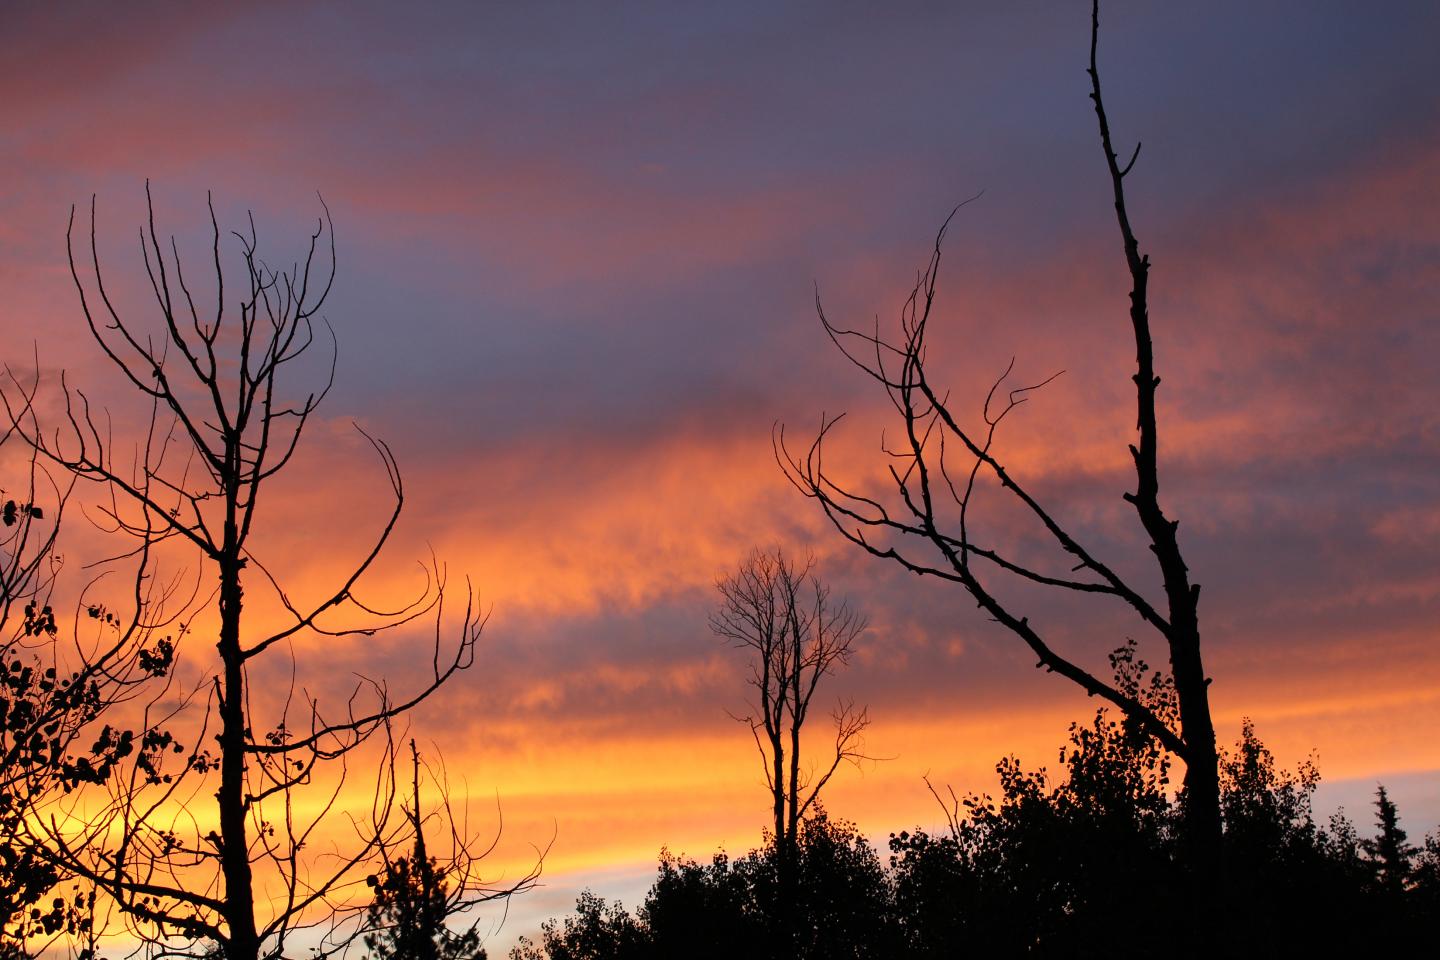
{"x":1085,"y":864}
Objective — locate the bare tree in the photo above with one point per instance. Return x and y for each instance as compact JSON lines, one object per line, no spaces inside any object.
{"x":937,"y":472}
{"x":795,"y":634}
{"x":240,"y":876}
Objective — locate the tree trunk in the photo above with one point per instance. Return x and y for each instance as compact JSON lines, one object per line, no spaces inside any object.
{"x":777,"y":751}
{"x":1203,"y":836}
{"x":244,"y":942}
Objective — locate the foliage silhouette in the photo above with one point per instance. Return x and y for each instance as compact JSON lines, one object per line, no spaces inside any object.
{"x":728,"y":908}
{"x":1050,"y":867}
{"x":64,"y":722}
{"x":597,"y":931}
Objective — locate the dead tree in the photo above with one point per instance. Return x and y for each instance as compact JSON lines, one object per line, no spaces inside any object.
{"x":795,"y":635}
{"x":937,"y":471}
{"x":224,"y":418}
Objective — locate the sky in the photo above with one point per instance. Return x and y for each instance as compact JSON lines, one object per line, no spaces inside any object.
{"x":578,"y":251}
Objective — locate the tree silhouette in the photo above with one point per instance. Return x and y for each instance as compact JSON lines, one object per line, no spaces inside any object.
{"x":783,"y":615}
{"x":940,"y":468}
{"x":1391,"y":849}
{"x":223,"y":420}
{"x":415,"y":898}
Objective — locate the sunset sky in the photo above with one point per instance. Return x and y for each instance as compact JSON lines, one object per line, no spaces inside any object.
{"x":578,"y":249}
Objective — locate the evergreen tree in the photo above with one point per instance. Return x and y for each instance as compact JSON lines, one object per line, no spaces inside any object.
{"x":1390,"y":850}
{"x":411,"y":903}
